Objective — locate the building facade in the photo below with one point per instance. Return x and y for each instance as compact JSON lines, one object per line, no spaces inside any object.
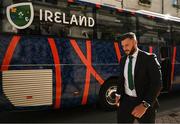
{"x":171,"y":7}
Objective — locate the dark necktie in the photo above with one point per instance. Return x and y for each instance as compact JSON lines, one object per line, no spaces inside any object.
{"x":130,"y":76}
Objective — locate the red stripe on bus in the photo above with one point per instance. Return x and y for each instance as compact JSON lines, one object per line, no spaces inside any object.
{"x":57,"y":71}
{"x":120,"y":10}
{"x":133,"y":13}
{"x":88,"y":73}
{"x":118,"y":52}
{"x":151,"y":49}
{"x":9,"y":53}
{"x":71,"y":1}
{"x":151,"y":17}
{"x":98,"y":5}
{"x":173,"y":64}
{"x":86,"y":62}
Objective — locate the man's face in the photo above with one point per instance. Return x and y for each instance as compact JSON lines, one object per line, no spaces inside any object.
{"x":129,"y":46}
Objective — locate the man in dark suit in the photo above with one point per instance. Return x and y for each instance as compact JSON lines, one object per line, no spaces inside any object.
{"x":139,"y":84}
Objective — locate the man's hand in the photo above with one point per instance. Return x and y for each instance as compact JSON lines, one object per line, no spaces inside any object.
{"x":117,"y":101}
{"x":139,"y":111}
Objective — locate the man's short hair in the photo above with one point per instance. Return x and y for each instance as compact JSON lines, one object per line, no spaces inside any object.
{"x":129,"y":35}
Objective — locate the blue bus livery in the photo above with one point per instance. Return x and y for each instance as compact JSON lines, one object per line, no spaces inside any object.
{"x":58,"y":54}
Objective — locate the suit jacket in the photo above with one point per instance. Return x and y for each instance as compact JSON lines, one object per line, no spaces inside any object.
{"x":147,"y":77}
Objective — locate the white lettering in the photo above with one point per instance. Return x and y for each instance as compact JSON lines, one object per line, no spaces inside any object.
{"x":48,"y":15}
{"x":64,"y":19}
{"x":57,"y":17}
{"x":91,"y":22}
{"x":73,"y":19}
{"x":40,"y":15}
{"x":82,"y":19}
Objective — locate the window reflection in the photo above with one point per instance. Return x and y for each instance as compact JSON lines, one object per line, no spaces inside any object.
{"x":153,"y":31}
{"x":111,"y":24}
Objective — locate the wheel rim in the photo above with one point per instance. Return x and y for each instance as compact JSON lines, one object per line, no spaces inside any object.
{"x":110,"y":95}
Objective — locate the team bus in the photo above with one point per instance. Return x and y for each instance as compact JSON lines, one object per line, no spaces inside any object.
{"x":64,"y":53}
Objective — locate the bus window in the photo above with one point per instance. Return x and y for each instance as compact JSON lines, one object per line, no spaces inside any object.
{"x":111,"y":24}
{"x":81,"y":31}
{"x":164,"y":32}
{"x":131,"y":23}
{"x":153,"y":31}
{"x":1,"y":15}
{"x":147,"y":33}
{"x":176,"y":33}
{"x":51,"y":1}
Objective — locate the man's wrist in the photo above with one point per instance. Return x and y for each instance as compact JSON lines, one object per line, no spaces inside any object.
{"x":146,"y":104}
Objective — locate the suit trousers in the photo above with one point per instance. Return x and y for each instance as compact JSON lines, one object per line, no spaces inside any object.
{"x":127,"y":104}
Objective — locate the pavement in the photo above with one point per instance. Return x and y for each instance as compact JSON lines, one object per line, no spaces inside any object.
{"x":170,"y":116}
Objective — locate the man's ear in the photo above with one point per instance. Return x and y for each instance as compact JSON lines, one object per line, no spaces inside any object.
{"x":135,"y":41}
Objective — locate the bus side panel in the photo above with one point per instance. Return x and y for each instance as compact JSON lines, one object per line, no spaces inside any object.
{"x":105,"y":60}
{"x":73,"y":72}
{"x":4,"y":42}
{"x":32,"y":52}
{"x":29,"y":54}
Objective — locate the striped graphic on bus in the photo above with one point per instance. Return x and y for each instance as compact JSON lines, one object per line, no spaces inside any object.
{"x":118,"y":52}
{"x":88,"y":73}
{"x":9,"y":53}
{"x":57,"y":72}
{"x":86,"y":62}
{"x":173,"y":64}
{"x":150,"y":49}
{"x":90,"y":70}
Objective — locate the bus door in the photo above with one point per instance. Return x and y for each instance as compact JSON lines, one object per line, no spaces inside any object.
{"x":156,"y":32}
{"x":165,"y":61}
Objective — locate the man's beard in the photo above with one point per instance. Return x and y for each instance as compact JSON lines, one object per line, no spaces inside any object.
{"x":132,"y":51}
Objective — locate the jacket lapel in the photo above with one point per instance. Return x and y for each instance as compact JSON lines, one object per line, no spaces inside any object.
{"x":137,"y":65}
{"x":124,"y":62}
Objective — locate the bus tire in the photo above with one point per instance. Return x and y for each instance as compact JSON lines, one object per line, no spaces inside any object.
{"x":107,"y":95}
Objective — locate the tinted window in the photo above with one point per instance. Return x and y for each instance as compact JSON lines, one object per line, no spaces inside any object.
{"x":176,"y":33}
{"x":153,"y":30}
{"x":1,"y":15}
{"x":51,"y":1}
{"x":110,"y":24}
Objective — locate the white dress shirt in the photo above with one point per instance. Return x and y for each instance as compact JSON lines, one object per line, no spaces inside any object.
{"x":126,"y":84}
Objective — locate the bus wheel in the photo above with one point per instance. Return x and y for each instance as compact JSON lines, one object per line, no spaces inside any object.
{"x":107,"y":95}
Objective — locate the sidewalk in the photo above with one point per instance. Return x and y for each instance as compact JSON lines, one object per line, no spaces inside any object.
{"x":171,"y":116}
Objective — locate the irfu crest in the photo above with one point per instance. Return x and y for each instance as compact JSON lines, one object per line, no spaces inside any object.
{"x":20,"y":15}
